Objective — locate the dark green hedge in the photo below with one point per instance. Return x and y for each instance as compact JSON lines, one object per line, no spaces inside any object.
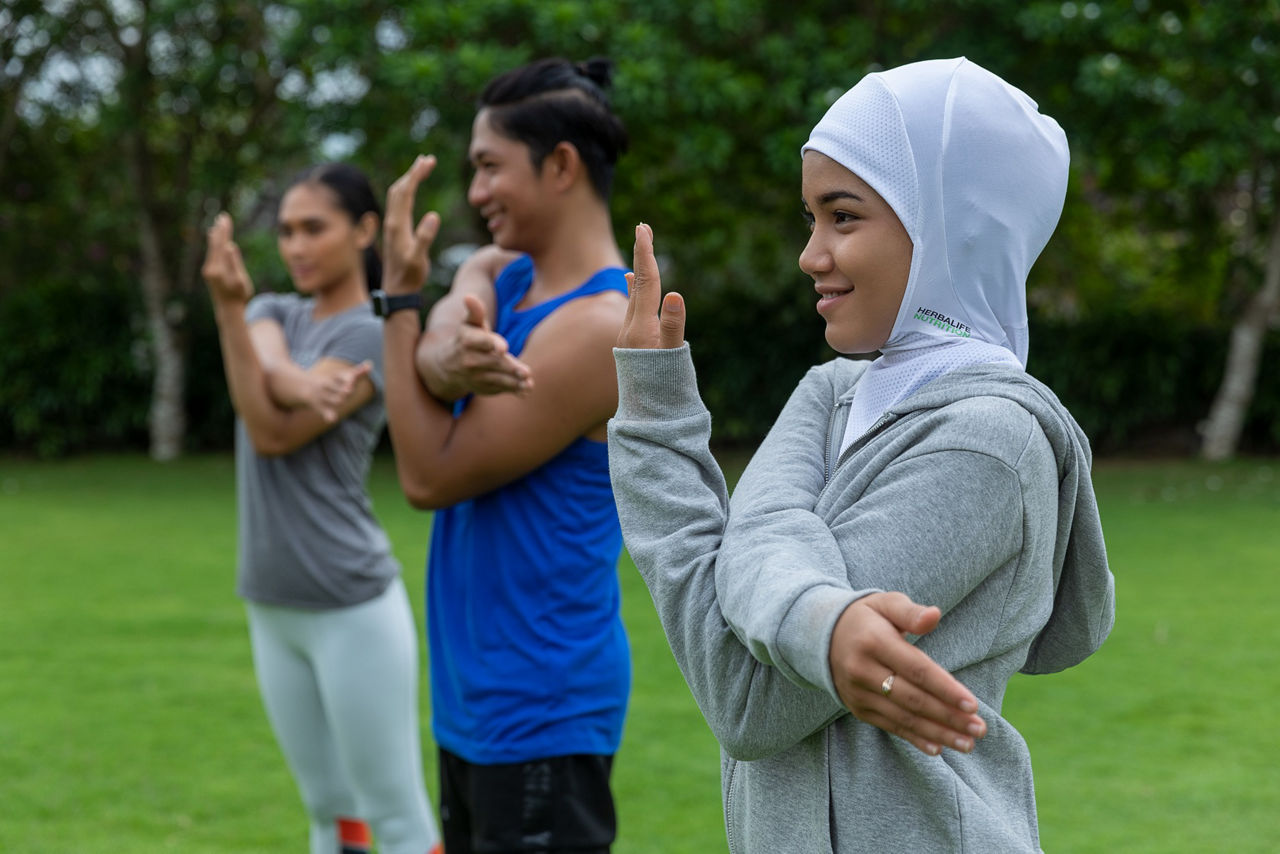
{"x":75,"y":371}
{"x":1140,"y":384}
{"x":69,"y":377}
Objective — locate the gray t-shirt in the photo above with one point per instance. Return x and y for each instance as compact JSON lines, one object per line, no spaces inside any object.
{"x":308,"y":536}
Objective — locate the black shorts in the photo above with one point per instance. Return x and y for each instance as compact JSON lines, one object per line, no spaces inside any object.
{"x":547,"y":805}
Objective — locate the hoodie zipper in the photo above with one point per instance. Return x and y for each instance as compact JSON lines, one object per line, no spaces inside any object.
{"x":829,"y":470}
{"x":839,"y":412}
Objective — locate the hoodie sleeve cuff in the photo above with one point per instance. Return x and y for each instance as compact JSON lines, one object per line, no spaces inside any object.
{"x":804,"y":636}
{"x":656,"y":385}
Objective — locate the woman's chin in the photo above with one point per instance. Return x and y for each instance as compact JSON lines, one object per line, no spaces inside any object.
{"x":846,"y":345}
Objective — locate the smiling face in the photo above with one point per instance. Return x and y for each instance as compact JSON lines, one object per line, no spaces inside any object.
{"x":859,"y":255}
{"x":508,"y":191}
{"x":317,"y":239}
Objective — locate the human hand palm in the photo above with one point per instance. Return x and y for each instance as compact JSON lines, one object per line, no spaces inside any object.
{"x":224,"y":271}
{"x":406,"y":247}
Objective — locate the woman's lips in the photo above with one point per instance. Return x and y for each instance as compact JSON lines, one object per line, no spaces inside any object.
{"x":830,"y":297}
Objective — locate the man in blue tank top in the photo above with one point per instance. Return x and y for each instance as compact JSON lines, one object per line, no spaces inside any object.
{"x":497,"y":413}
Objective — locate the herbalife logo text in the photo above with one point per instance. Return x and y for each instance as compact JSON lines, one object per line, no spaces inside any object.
{"x":943,"y":322}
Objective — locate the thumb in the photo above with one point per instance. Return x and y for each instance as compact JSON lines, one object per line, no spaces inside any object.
{"x":236,"y":259}
{"x":428,"y":228}
{"x":671,"y":333}
{"x":476,"y":314}
{"x":908,"y":616}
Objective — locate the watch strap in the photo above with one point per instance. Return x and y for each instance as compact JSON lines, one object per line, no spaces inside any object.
{"x":385,"y":304}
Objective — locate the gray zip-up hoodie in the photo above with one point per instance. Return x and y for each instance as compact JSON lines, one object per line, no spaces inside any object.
{"x":973,"y":494}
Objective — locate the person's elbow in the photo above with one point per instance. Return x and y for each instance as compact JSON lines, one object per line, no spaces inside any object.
{"x":743,"y":741}
{"x":268,"y":442}
{"x":420,"y":498}
{"x":747,"y":733}
{"x":425,"y":493}
{"x":738,"y":743}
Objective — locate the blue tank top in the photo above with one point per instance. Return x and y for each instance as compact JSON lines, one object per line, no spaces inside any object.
{"x":529,"y":658}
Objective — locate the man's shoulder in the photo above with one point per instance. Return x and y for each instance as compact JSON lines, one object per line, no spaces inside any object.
{"x":588,"y":313}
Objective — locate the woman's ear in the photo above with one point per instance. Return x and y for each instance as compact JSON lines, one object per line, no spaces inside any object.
{"x":563,"y":166}
{"x":366,"y":229}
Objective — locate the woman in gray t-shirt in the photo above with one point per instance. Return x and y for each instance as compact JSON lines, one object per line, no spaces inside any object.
{"x":334,"y":639}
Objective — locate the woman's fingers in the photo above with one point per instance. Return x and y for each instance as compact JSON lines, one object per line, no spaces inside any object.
{"x":238,"y":274}
{"x":917,"y":712}
{"x":909,"y":617}
{"x":216,"y":241}
{"x":641,"y":328}
{"x":223,"y":269}
{"x":332,"y":390}
{"x":646,"y":280}
{"x":672,"y":321}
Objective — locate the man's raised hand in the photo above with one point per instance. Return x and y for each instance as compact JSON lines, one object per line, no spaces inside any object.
{"x":405,"y":247}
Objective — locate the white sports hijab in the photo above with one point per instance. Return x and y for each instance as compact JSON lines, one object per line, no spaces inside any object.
{"x":977,"y":175}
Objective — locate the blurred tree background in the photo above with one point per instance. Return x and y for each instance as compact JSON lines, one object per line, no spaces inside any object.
{"x":126,"y":124}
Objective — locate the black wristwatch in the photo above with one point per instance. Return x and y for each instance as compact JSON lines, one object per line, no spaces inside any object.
{"x":384,"y":304}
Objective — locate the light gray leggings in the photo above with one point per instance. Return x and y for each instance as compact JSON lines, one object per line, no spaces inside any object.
{"x":341,"y":691}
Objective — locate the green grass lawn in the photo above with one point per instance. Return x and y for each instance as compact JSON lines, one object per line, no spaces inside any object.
{"x":130,"y":721}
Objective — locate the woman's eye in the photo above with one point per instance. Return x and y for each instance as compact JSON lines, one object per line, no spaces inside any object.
{"x":843,"y":217}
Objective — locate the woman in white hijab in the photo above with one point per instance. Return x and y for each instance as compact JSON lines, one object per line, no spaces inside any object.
{"x":850,"y":717}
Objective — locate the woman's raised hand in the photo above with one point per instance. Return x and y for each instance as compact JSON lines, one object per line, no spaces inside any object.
{"x":643,"y":328}
{"x":223,"y":270}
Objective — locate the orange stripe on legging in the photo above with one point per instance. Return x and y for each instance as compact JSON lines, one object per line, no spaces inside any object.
{"x":353,"y":831}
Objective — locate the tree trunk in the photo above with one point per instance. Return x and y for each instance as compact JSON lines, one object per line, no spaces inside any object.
{"x":1222,"y":430}
{"x":167,"y":419}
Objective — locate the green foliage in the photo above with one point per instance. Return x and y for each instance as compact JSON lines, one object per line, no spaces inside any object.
{"x":71,"y":376}
{"x":72,"y":384}
{"x":1174,"y":133}
{"x":1174,"y":107}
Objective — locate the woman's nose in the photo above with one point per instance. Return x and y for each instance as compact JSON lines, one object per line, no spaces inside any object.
{"x":814,"y":258}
